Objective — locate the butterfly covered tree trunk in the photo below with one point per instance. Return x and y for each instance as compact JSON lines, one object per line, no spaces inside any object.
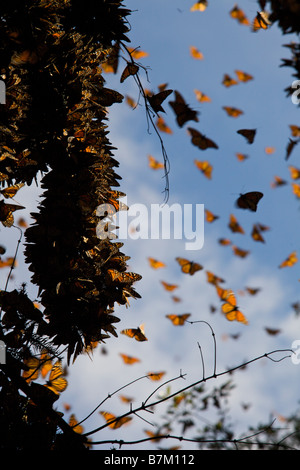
{"x":54,"y":125}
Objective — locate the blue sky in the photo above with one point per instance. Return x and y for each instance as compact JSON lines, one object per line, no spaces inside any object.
{"x":166,"y":30}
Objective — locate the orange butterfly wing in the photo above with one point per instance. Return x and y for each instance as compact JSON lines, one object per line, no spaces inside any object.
{"x":178,"y":320}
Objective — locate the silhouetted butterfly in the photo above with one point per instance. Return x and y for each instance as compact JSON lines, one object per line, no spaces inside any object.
{"x":249,"y":200}
{"x":249,"y":134}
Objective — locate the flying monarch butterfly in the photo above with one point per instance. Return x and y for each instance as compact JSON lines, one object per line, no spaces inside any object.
{"x":178,"y":320}
{"x":156,"y":264}
{"x":228,"y":81}
{"x":213,"y":278}
{"x":155,"y":375}
{"x":243,"y":76}
{"x":295,"y":130}
{"x":126,"y":399}
{"x":129,"y":359}
{"x":296,"y":189}
{"x":188,"y":267}
{"x":200,"y":140}
{"x":154,"y":436}
{"x":295,"y":172}
{"x":272,"y":331}
{"x":224,"y":241}
{"x":154,"y":164}
{"x":241,"y":156}
{"x":261,"y":21}
{"x":239,"y":15}
{"x":231,"y":310}
{"x":137,"y":333}
{"x":176,"y":299}
{"x":205,"y":167}
{"x":256,"y":235}
{"x":162,"y":125}
{"x":210,"y":217}
{"x":57,"y":382}
{"x":253,"y":290}
{"x":233,"y":112}
{"x":169,"y":287}
{"x":73,"y":422}
{"x":130,"y":69}
{"x":195,"y":53}
{"x":157,"y":99}
{"x":182,"y":110}
{"x":11,"y":191}
{"x":201,"y":96}
{"x":269,"y":150}
{"x":290,"y":260}
{"x":201,"y":5}
{"x":137,"y":53}
{"x":249,"y":200}
{"x":249,"y":134}
{"x":290,"y":146}
{"x":114,"y":422}
{"x":234,"y":225}
{"x":240,"y":252}
{"x":111,"y":63}
{"x":32,"y":368}
{"x":278,"y":181}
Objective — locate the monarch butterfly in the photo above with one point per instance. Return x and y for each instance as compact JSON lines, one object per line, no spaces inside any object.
{"x":201,"y":96}
{"x":124,"y":278}
{"x":154,"y":436}
{"x":129,"y":359}
{"x":210,"y":217}
{"x":231,"y":311}
{"x":233,"y":112}
{"x":6,"y":210}
{"x":241,"y":156}
{"x":290,"y":146}
{"x":252,"y":290}
{"x":205,"y":167}
{"x":239,"y":15}
{"x":182,"y":110}
{"x":200,"y":140}
{"x":272,"y":331}
{"x":269,"y":150}
{"x":137,"y":333}
{"x":295,"y":172}
{"x":234,"y":225}
{"x":154,"y":164}
{"x":261,"y":21}
{"x":156,"y":264}
{"x":278,"y":181}
{"x":111,"y":63}
{"x":114,"y":422}
{"x":162,"y":126}
{"x":243,"y":76}
{"x":126,"y":399}
{"x":131,"y":102}
{"x":295,"y":130}
{"x":137,"y":53}
{"x":157,"y":99}
{"x":57,"y":382}
{"x":228,"y":81}
{"x":178,"y":320}
{"x":213,"y":278}
{"x":169,"y":287}
{"x":201,"y":5}
{"x":249,"y":200}
{"x":46,"y":364}
{"x":224,"y":241}
{"x":130,"y":69}
{"x":249,"y":134}
{"x":223,"y":294}
{"x":11,"y":191}
{"x":155,"y":375}
{"x":290,"y":260}
{"x":195,"y":53}
{"x":74,"y":424}
{"x":240,"y":252}
{"x":188,"y":267}
{"x":256,"y":235}
{"x":296,"y":189}
{"x":32,"y":364}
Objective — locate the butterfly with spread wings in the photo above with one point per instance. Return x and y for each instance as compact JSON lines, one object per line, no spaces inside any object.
{"x":182,"y":110}
{"x":57,"y":382}
{"x":249,"y":200}
{"x":137,"y":333}
{"x":200,"y":140}
{"x":188,"y":267}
